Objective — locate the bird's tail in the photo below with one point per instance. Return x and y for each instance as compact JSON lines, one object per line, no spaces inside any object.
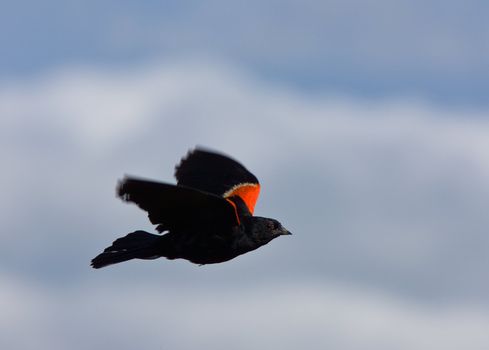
{"x":135,"y":245}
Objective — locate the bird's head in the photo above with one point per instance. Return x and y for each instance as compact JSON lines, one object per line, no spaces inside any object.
{"x":264,"y":230}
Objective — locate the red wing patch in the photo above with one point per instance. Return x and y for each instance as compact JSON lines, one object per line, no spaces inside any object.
{"x":248,"y":192}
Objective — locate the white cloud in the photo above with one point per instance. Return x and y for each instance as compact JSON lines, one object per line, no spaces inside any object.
{"x":283,"y":316}
{"x":391,"y":194}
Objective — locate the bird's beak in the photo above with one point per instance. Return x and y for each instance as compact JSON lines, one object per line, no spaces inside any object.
{"x":286,"y":233}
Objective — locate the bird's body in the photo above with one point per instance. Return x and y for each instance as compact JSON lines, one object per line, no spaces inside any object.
{"x":206,"y":218}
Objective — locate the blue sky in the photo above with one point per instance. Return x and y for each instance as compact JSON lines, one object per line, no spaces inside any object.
{"x":365,"y":122}
{"x":436,"y":50}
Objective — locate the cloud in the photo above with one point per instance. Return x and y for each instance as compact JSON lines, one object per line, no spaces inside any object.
{"x":282,"y":315}
{"x":387,"y":202}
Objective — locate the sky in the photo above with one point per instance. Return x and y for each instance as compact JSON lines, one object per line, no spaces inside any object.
{"x":365,"y":122}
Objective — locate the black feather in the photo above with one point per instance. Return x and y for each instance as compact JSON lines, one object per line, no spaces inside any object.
{"x":138,"y":244}
{"x":176,"y":207}
{"x":211,"y":172}
{"x":198,"y":223}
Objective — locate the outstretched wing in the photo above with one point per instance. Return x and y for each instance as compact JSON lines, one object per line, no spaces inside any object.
{"x":175,"y":208}
{"x":218,"y":174}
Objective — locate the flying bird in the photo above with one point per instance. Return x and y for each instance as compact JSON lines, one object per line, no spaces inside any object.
{"x":206,"y":218}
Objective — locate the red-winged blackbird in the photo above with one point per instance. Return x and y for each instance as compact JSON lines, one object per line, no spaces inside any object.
{"x":207,"y":217}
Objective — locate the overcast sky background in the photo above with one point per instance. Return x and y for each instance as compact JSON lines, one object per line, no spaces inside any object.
{"x":365,"y":121}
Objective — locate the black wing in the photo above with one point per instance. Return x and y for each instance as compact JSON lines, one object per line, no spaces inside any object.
{"x":218,"y":174}
{"x":175,"y":208}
